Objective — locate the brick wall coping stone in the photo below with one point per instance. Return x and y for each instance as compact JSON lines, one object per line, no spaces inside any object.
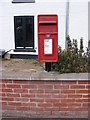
{"x":50,"y":76}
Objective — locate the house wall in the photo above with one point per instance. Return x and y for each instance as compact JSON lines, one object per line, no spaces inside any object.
{"x":78,"y":20}
{"x":45,"y":99}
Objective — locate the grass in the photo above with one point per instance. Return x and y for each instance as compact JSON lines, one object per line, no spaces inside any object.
{"x":35,"y":62}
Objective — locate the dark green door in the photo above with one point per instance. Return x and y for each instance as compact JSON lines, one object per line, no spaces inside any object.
{"x":24,"y":32}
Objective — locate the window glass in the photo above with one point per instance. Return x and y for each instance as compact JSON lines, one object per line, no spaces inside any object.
{"x":29,"y":32}
{"x":19,"y":32}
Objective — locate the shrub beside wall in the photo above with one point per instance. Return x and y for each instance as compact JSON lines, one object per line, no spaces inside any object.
{"x":72,"y":59}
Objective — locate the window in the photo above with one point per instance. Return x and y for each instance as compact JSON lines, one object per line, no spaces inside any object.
{"x":24,"y":32}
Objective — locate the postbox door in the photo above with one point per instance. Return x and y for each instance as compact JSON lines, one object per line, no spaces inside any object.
{"x":46,"y":47}
{"x":48,"y":50}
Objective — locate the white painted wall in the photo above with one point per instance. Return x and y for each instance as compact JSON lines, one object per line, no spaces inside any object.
{"x":78,"y":26}
{"x":78,"y":20}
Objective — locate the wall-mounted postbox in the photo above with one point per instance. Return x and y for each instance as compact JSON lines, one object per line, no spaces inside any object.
{"x":47,"y":38}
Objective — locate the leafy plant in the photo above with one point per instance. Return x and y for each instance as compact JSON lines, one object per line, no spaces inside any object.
{"x":71,"y":59}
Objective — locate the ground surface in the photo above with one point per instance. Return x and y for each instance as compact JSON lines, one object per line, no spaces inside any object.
{"x":32,"y":70}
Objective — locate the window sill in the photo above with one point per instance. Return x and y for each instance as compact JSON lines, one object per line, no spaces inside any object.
{"x":25,"y":50}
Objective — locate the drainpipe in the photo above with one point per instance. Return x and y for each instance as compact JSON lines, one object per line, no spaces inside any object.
{"x":67,"y":22}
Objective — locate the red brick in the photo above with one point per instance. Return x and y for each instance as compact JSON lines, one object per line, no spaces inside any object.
{"x":6,"y":90}
{"x":7,"y":99}
{"x":56,"y":104}
{"x":67,"y":100}
{"x":52,"y":108}
{"x":14,"y":104}
{"x":2,"y":85}
{"x":23,"y":108}
{"x":61,"y":86}
{"x":36,"y":91}
{"x":36,"y":100}
{"x":85,"y":105}
{"x":42,"y":95}
{"x":24,"y":99}
{"x":28,"y":104}
{"x":83,"y":82}
{"x":88,"y":91}
{"x":30,"y":86}
{"x":77,"y":86}
{"x":20,"y":91}
{"x":63,"y":105}
{"x":30,"y":95}
{"x":59,"y":96}
{"x":13,"y":86}
{"x":52,"y":100}
{"x":67,"y":91}
{"x":0,"y":98}
{"x":82,"y":91}
{"x":74,"y":96}
{"x":52,"y":91}
{"x":66,"y":109}
{"x":73,"y":105}
{"x":81,"y":100}
{"x":2,"y":94}
{"x":18,"y":99}
{"x":21,"y":99}
{"x":69,"y":82}
{"x":44,"y":105}
{"x":85,"y":96}
{"x":7,"y":81}
{"x":88,"y":87}
{"x":3,"y":103}
{"x":13,"y":94}
{"x":45,"y":86}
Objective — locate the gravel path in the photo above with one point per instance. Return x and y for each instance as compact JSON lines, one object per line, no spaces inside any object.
{"x":32,"y":70}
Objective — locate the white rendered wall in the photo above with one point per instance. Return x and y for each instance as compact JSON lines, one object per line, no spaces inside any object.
{"x":78,"y":20}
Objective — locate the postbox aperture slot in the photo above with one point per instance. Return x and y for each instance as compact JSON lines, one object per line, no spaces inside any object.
{"x":47,"y":22}
{"x":47,"y":46}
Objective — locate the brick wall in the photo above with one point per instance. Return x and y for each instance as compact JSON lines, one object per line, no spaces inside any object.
{"x":53,"y":99}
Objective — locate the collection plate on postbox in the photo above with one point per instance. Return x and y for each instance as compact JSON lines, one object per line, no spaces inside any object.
{"x":47,"y":46}
{"x":47,"y":38}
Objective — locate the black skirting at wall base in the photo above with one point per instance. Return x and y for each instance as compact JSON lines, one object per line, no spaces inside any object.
{"x":23,"y":56}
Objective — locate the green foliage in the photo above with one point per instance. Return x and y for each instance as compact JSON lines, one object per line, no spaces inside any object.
{"x":71,"y":60}
{"x":35,"y":62}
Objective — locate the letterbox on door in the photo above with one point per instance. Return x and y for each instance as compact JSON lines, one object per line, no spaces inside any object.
{"x":47,"y":38}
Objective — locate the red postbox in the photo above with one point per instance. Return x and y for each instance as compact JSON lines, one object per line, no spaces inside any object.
{"x":47,"y":38}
